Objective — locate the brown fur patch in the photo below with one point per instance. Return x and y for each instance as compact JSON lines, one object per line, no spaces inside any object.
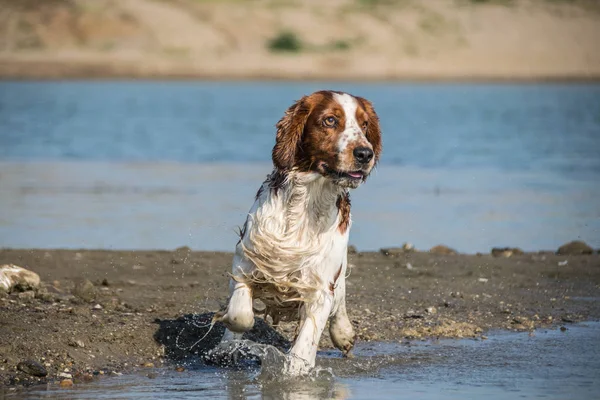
{"x":373,"y":133}
{"x":343,"y":205}
{"x":290,"y":129}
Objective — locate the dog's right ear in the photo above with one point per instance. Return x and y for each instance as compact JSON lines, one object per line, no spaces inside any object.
{"x":289,"y":134}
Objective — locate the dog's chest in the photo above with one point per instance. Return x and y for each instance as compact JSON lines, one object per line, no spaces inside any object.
{"x":294,"y":240}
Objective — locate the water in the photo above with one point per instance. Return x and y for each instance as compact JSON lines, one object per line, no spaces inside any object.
{"x":550,"y":365}
{"x":147,"y":165}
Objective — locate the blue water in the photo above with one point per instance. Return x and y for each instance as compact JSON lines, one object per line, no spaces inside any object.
{"x":548,"y":364}
{"x":469,"y":165}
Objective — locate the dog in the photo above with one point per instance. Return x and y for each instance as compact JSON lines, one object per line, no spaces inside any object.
{"x":292,"y":252}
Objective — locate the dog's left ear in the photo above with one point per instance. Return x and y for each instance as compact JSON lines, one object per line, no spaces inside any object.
{"x":289,"y":134}
{"x":373,"y":129}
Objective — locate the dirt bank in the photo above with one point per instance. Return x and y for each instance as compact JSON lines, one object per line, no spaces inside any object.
{"x":286,"y":39}
{"x":73,"y":327}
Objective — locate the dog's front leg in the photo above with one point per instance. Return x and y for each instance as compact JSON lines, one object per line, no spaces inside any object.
{"x":340,"y":327}
{"x":312,"y":323}
{"x":239,"y":315}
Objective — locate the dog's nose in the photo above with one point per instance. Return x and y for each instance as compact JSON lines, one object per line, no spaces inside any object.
{"x":363,"y":154}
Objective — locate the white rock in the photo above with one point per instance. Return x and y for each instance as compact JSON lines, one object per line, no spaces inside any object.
{"x":12,"y":276}
{"x":408,"y":246}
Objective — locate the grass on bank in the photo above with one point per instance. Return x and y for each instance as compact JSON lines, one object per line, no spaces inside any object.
{"x":290,"y":42}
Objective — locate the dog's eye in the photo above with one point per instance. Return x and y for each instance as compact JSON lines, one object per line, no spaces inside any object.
{"x":365,"y":125}
{"x":329,"y":122}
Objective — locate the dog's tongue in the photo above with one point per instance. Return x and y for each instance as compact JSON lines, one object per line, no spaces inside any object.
{"x":356,"y":175}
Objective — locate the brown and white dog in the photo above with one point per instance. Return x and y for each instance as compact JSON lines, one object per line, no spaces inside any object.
{"x":292,"y":252}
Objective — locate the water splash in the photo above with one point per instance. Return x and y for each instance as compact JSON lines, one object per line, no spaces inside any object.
{"x":274,"y":363}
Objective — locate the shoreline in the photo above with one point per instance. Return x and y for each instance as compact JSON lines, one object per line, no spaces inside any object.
{"x":97,"y":312}
{"x":64,"y":71}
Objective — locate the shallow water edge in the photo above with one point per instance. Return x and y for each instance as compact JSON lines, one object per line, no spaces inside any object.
{"x":548,"y":363}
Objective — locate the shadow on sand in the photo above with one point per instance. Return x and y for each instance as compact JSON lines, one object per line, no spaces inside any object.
{"x":191,"y":339}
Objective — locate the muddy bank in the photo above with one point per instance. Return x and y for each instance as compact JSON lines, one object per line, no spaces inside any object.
{"x":99,"y":312}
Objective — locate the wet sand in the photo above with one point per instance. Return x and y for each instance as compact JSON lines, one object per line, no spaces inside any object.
{"x":110,"y":326}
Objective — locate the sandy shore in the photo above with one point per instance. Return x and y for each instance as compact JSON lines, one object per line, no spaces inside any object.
{"x":101,"y":312}
{"x":495,"y":40}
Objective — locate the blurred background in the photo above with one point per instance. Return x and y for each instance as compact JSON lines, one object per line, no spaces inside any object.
{"x":148,"y":124}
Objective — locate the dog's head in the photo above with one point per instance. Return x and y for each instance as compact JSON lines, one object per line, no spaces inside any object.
{"x":331,"y":133}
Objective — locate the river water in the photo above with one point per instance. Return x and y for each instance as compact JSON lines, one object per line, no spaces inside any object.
{"x":158,"y":165}
{"x":549,"y":364}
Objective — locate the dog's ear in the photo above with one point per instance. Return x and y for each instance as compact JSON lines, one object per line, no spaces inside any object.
{"x":373,"y":129}
{"x":289,"y":134}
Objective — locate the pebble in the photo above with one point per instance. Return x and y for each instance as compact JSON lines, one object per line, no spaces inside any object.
{"x":149,"y":365}
{"x":395,"y":251}
{"x":66,"y":383}
{"x":431,"y":310}
{"x":85,"y":290}
{"x":27,"y":296}
{"x":76,"y":343}
{"x":97,"y":307}
{"x":65,"y":375}
{"x":33,"y":368}
{"x":180,"y":369}
{"x":408,"y":247}
{"x":575,"y":247}
{"x":443,"y":250}
{"x":563,"y":263}
{"x":87,"y":377}
{"x":391,"y":251}
{"x":483,"y":280}
{"x":506,"y":251}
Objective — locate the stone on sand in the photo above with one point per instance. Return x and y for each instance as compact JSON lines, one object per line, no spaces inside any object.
{"x":575,"y":247}
{"x":506,"y":252}
{"x":85,"y":290}
{"x":13,"y":277}
{"x":443,"y":250}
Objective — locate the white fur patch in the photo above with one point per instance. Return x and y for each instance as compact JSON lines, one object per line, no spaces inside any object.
{"x":292,"y":241}
{"x":352,"y":131}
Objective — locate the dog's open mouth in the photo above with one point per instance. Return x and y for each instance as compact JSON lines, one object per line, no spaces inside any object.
{"x":351,"y":175}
